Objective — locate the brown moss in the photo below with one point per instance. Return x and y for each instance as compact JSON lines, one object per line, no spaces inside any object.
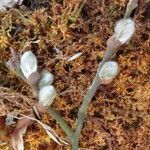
{"x":118,"y":117}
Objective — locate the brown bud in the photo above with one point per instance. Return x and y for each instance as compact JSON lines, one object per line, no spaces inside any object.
{"x":113,"y":44}
{"x":34,"y":78}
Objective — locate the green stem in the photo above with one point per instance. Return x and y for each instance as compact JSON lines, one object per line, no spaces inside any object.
{"x":74,"y":137}
{"x":70,"y":134}
{"x":88,"y":97}
{"x":83,"y":109}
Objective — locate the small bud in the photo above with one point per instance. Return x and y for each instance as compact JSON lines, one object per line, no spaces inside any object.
{"x":108,"y":72}
{"x":47,"y":95}
{"x":124,"y":30}
{"x":34,"y":78}
{"x":47,"y":78}
{"x":28,"y":63}
{"x":113,"y":44}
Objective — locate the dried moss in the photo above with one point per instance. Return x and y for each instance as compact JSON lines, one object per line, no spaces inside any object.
{"x":118,"y":117}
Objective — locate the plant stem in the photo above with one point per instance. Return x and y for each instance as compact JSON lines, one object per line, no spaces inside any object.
{"x":70,"y":134}
{"x":111,"y":50}
{"x":88,"y":97}
{"x":130,"y":7}
{"x":14,"y":66}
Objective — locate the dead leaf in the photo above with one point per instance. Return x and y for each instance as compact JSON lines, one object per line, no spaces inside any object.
{"x":17,"y":136}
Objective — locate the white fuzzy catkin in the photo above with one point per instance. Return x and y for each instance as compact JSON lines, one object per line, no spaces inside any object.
{"x":47,"y":78}
{"x":124,"y":30}
{"x":47,"y":95}
{"x":108,"y":71}
{"x":9,"y":3}
{"x":28,"y":63}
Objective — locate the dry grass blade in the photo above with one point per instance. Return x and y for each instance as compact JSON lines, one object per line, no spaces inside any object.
{"x":49,"y":131}
{"x":75,"y":56}
{"x":17,"y":136}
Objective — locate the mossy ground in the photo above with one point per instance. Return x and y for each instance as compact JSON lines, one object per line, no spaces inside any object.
{"x":119,"y":115}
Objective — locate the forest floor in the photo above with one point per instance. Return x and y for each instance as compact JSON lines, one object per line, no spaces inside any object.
{"x":119,"y":115}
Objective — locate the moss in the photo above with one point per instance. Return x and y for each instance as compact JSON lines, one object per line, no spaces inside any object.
{"x":118,"y":116}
